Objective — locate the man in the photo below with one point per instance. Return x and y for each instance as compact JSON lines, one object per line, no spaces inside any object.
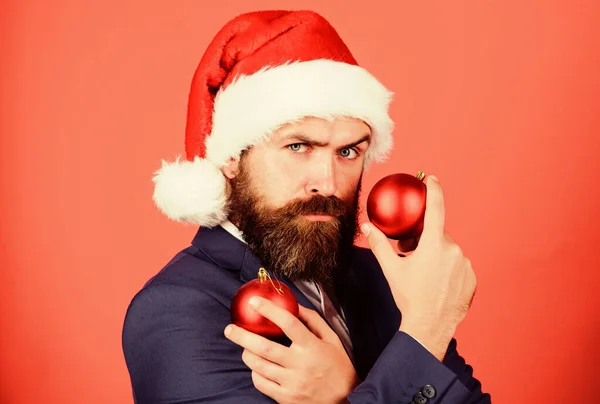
{"x":282,"y":123}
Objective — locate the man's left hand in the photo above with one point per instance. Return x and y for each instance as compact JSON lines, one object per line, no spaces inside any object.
{"x":314,"y":369}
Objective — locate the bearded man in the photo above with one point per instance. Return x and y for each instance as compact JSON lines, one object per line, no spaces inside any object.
{"x":282,"y":123}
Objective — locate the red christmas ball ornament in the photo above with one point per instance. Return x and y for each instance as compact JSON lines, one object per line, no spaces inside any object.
{"x":243,"y":315}
{"x":396,"y":205}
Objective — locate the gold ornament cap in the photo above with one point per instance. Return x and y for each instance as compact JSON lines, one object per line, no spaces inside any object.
{"x":262,"y":275}
{"x":420,"y":175}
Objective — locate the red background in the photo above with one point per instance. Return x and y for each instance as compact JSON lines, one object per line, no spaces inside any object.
{"x":499,"y":99}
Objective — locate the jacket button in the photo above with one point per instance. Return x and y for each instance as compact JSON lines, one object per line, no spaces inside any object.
{"x":419,"y":398}
{"x":428,"y":391}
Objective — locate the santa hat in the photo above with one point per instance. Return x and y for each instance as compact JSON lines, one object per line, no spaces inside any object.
{"x":262,"y":70}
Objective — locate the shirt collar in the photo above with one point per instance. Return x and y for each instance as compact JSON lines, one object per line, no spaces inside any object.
{"x":233,"y":230}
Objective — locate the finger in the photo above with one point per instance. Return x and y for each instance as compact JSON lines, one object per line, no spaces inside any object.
{"x":257,"y":344}
{"x":434,"y":218}
{"x":408,"y":245}
{"x":268,"y":369}
{"x":471,"y":282}
{"x":379,"y":244}
{"x":470,"y":301}
{"x":315,"y":323}
{"x":268,"y":387}
{"x":472,"y":297}
{"x":289,"y":324}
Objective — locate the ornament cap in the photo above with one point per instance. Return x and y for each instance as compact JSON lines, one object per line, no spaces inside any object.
{"x":420,"y":175}
{"x":262,"y":275}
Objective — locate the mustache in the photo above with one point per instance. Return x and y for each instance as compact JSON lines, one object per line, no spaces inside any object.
{"x":317,"y":205}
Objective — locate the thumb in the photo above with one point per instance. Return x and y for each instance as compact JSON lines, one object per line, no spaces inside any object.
{"x":380,"y":245}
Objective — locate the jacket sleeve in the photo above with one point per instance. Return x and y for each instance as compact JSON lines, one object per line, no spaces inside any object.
{"x":406,"y":369}
{"x":176,"y":352}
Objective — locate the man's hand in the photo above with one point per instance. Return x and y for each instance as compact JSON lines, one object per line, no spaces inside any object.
{"x":314,"y":369}
{"x":432,"y":287}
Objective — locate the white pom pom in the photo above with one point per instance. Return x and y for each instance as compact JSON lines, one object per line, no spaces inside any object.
{"x":191,"y":192}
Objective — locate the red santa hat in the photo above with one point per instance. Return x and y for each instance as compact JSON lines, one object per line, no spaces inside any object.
{"x":262,"y":70}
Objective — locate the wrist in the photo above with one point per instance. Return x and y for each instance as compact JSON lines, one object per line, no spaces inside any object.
{"x":434,"y":339}
{"x":343,"y":397}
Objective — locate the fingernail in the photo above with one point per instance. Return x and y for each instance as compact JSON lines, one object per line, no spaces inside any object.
{"x":227,"y":330}
{"x":365,"y":229}
{"x":433,"y":177}
{"x":254,"y":302}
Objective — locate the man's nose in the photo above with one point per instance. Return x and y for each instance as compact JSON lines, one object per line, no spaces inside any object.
{"x":322,"y":179}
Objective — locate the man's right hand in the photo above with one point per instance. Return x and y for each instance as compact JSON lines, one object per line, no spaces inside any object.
{"x":432,"y":287}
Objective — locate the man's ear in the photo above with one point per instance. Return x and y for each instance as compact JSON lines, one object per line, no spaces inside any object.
{"x":231,"y":168}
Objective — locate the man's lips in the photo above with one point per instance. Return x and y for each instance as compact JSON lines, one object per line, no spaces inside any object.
{"x":318,"y":218}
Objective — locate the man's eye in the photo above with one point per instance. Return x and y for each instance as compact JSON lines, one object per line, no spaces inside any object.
{"x":349,"y":153}
{"x":296,"y":147}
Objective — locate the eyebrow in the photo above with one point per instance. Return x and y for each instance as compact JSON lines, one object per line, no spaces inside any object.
{"x":305,"y":139}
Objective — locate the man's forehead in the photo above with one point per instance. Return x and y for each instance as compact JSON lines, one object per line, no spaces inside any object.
{"x":342,"y":129}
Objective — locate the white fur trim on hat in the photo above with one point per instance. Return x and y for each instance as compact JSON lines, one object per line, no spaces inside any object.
{"x":253,"y":106}
{"x":191,"y":192}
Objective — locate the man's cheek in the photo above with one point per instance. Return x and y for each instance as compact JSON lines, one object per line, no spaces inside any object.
{"x":350,"y":196}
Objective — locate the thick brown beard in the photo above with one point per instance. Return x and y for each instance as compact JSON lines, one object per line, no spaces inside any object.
{"x":287,"y":243}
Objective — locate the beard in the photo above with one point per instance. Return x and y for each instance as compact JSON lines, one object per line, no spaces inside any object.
{"x":289,"y":244}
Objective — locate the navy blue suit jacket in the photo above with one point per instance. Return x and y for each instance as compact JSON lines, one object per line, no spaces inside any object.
{"x":176,"y":352}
